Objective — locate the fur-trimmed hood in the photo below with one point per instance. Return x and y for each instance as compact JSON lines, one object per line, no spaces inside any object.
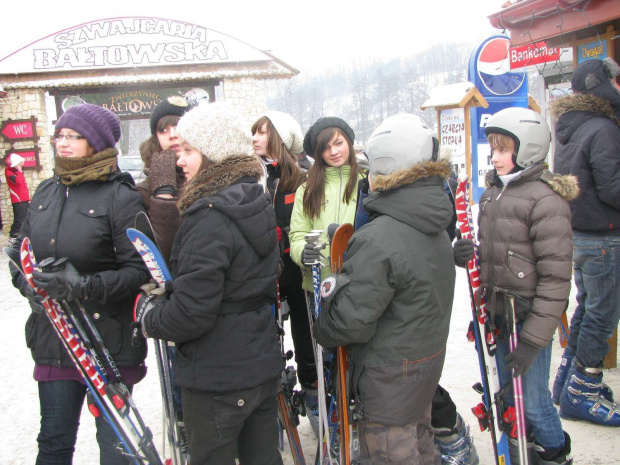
{"x":585,"y":106}
{"x":566,"y":186}
{"x":231,"y":187}
{"x":388,"y":182}
{"x":414,"y":196}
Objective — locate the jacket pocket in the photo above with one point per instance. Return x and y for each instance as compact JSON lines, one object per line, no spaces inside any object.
{"x":231,"y":411}
{"x":520,"y":266}
{"x":111,"y":333}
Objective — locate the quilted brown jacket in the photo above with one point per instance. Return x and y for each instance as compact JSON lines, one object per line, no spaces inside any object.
{"x":526,"y":248}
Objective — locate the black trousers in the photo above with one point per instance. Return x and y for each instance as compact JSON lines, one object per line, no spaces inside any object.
{"x":223,"y":426}
{"x":19,"y":213}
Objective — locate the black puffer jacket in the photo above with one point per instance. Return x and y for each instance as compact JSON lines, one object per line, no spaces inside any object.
{"x":87,"y":224}
{"x":588,"y":147}
{"x":225,"y":261}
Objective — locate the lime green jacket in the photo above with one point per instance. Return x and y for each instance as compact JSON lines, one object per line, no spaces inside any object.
{"x":334,"y":211}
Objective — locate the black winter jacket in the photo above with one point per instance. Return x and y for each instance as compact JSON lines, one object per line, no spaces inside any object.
{"x":87,"y":224}
{"x":588,"y":147}
{"x":224,"y":262}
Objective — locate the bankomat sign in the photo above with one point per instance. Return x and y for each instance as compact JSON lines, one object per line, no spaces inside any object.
{"x":127,"y":43}
{"x":489,"y":70}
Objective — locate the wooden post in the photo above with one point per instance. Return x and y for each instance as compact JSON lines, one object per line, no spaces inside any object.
{"x":468,"y":160}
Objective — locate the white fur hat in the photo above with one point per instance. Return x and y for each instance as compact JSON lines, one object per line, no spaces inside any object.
{"x":15,"y":160}
{"x":288,"y":130}
{"x":216,"y":130}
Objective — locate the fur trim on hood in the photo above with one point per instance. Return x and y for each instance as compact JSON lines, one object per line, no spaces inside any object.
{"x":388,"y":182}
{"x":218,"y":176}
{"x":566,"y":186}
{"x":584,"y":102}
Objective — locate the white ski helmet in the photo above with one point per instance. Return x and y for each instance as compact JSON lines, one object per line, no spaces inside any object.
{"x":400,"y":142}
{"x":528,"y":129}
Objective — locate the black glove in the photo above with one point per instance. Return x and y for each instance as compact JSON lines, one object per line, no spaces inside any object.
{"x":34,"y":299}
{"x":521,"y":358}
{"x":331,"y":230}
{"x":463,"y":251}
{"x":60,"y":285}
{"x":310,"y":255}
{"x":144,"y":303}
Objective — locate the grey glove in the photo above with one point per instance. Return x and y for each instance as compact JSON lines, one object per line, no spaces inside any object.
{"x":310,"y":255}
{"x":463,"y":251}
{"x":163,"y":172}
{"x":521,"y":358}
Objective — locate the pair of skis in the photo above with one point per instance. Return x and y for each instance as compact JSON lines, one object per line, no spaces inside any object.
{"x":143,"y":239}
{"x":107,"y":394}
{"x":492,"y":412}
{"x":338,"y":417}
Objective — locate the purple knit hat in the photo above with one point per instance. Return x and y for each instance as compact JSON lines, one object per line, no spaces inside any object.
{"x":100,"y":126}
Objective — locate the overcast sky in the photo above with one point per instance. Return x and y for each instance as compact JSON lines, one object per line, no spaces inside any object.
{"x":310,"y":35}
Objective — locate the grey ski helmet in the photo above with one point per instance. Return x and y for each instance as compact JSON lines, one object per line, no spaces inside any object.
{"x":400,"y":142}
{"x":529,"y":131}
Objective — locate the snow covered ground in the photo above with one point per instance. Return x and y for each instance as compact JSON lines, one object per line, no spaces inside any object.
{"x":19,"y":405}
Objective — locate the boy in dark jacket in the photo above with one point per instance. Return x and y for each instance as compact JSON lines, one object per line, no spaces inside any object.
{"x":588,"y":146}
{"x":392,"y":302}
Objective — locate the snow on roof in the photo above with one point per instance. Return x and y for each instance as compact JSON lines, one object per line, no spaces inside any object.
{"x":454,"y":95}
{"x":2,"y":92}
{"x":274,"y":70}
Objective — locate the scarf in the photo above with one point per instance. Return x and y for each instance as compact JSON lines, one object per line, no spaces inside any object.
{"x":73,"y":171}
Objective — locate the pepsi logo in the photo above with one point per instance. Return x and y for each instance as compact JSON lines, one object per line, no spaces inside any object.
{"x":493,"y":65}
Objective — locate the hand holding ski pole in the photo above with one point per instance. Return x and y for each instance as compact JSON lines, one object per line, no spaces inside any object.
{"x":311,"y":254}
{"x":520,"y":360}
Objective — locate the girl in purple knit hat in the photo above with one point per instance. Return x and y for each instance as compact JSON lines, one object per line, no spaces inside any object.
{"x":82,"y":213}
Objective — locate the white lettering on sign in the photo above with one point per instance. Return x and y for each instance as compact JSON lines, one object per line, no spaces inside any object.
{"x":20,"y":129}
{"x":128,"y":43}
{"x":484,"y":119}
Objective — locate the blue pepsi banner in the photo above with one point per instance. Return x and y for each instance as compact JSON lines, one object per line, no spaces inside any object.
{"x":489,"y":71}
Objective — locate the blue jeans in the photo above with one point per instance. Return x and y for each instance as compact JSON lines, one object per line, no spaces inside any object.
{"x":540,"y":413}
{"x":596,"y":261}
{"x":61,"y":404}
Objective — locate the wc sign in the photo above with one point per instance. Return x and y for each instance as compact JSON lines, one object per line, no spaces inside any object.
{"x":489,"y":70}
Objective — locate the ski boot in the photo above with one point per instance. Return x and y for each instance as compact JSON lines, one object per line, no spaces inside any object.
{"x":566,"y":365}
{"x":583,"y":397}
{"x":513,"y":450}
{"x":562,"y":374}
{"x":312,"y":409}
{"x":554,"y":456}
{"x":456,"y":445}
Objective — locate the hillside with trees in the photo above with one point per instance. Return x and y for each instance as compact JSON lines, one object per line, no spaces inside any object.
{"x":364,"y":94}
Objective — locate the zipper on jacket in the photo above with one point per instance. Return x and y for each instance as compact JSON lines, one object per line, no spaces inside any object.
{"x":521,"y":257}
{"x":500,"y":193}
{"x":339,"y":194}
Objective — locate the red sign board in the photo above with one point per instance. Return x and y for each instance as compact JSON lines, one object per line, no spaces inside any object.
{"x":533,"y":54}
{"x":19,"y":129}
{"x":30,"y":156}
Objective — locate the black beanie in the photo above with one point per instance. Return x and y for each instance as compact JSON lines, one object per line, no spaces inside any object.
{"x":322,"y":123}
{"x":594,"y":77}
{"x":173,"y":105}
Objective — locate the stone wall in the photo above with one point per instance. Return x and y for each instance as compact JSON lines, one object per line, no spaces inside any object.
{"x":245,"y":94}
{"x":22,"y":104}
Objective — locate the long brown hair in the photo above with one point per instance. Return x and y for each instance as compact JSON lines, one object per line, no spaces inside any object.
{"x":291,"y":175}
{"x":314,"y":196}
